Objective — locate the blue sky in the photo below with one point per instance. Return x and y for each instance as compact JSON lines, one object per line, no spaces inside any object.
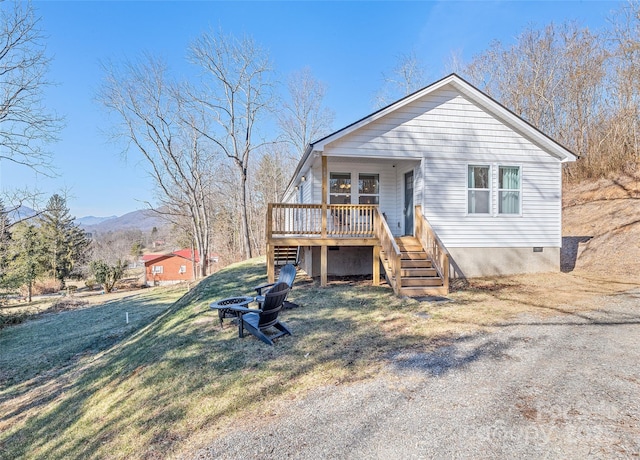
{"x":347,"y":45}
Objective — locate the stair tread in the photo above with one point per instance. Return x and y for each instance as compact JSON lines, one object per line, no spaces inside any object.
{"x":417,"y":273}
{"x":419,"y":291}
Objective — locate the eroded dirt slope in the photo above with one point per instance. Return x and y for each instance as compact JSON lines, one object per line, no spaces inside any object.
{"x":601,"y":227}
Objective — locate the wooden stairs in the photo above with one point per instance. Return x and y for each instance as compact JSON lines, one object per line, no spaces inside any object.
{"x":418,"y":277}
{"x":285,"y":255}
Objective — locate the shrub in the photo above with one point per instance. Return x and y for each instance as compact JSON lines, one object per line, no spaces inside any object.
{"x":47,"y":286}
{"x":10,"y":319}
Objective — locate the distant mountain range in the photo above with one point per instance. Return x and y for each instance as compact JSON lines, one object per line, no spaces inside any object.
{"x":23,"y":212}
{"x":143,"y":220}
{"x":92,"y":220}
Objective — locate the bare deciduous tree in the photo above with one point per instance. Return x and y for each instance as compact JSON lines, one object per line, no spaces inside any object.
{"x":154,"y":120}
{"x":236,"y":91}
{"x":621,"y":130}
{"x":25,"y":124}
{"x":303,"y":118}
{"x":552,"y":77}
{"x":408,"y":76}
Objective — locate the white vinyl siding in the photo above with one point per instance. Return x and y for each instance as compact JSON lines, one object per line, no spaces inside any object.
{"x":440,"y":122}
{"x":448,"y":133}
{"x":540,"y":213}
{"x":307,"y":190}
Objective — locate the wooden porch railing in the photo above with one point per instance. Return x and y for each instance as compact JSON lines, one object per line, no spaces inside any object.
{"x":306,"y":220}
{"x":432,"y":245}
{"x":391,"y":249}
{"x":363,"y":224}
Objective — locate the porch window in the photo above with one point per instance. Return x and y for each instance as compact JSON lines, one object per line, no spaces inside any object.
{"x":509,"y":190}
{"x":369,"y":189}
{"x":340,"y":188}
{"x":478,"y":187}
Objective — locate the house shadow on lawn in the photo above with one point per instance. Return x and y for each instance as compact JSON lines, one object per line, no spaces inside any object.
{"x":146,"y":392}
{"x":452,"y":354}
{"x":569,"y":251}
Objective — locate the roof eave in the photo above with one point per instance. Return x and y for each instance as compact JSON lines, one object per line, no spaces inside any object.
{"x":298,"y":172}
{"x":525,"y":128}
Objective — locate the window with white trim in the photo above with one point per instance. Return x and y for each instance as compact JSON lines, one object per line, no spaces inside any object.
{"x":479,"y":189}
{"x":340,"y":188}
{"x":509,"y":190}
{"x":369,"y":189}
{"x":183,"y":269}
{"x":157,"y":269}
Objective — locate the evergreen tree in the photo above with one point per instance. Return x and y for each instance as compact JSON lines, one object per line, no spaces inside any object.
{"x":107,"y":275}
{"x":5,"y":242}
{"x":26,"y":257}
{"x":136,"y":249}
{"x":65,"y":243}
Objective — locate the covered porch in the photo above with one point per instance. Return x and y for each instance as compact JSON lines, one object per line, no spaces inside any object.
{"x":337,"y":222}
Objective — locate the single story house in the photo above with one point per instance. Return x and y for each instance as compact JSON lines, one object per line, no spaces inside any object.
{"x":171,"y":268}
{"x":443,"y":183}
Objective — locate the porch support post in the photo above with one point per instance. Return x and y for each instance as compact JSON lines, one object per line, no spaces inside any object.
{"x":323,"y":265}
{"x":323,"y":201}
{"x":271,"y":269}
{"x":376,"y":265}
{"x":271,"y":272}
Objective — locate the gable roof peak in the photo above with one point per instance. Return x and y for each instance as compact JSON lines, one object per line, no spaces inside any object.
{"x":467,"y":90}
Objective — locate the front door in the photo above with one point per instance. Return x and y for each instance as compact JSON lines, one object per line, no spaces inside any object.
{"x":408,"y":203}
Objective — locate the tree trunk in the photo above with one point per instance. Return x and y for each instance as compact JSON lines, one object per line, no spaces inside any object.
{"x":246,"y":240}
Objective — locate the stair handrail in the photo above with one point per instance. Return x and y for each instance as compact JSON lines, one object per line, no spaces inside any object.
{"x":390,"y":248}
{"x":433,"y":246}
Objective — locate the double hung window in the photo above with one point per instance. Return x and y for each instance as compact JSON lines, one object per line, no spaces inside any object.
{"x":482,"y":185}
{"x":509,"y":190}
{"x":479,"y":189}
{"x":369,"y":189}
{"x":340,"y":188}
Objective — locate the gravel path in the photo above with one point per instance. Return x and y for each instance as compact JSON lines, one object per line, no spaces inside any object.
{"x":561,"y":387}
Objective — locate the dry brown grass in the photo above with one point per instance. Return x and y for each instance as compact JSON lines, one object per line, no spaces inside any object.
{"x":177,"y":383}
{"x":180,"y":382}
{"x":601,"y":228}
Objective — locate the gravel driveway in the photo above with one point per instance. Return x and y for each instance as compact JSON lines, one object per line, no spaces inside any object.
{"x":561,"y":387}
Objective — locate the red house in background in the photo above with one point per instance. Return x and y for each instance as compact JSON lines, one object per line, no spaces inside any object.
{"x":175,"y":267}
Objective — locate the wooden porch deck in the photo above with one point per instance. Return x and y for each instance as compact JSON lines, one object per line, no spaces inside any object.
{"x":325,"y":225}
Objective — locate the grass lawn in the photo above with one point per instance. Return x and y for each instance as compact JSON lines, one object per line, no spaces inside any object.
{"x":84,"y":384}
